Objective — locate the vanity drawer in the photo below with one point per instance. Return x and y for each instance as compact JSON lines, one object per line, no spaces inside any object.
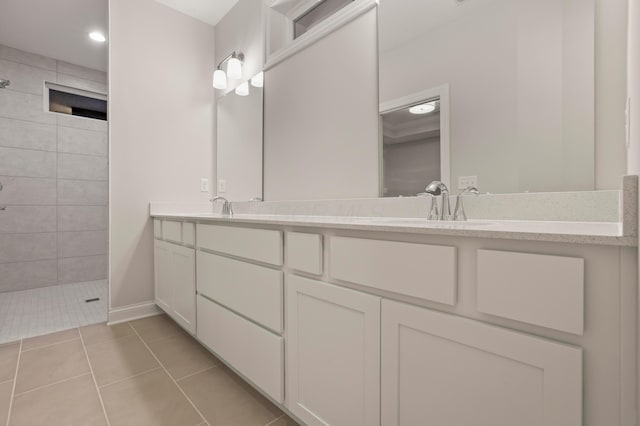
{"x":418,"y":270}
{"x":542,"y":290}
{"x":172,"y":231}
{"x":262,"y":245}
{"x":188,"y":234}
{"x":304,"y":252}
{"x":252,"y":350}
{"x":157,"y":228}
{"x":253,"y":291}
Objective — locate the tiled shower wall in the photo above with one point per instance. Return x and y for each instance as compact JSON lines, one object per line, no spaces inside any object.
{"x":54,"y":171}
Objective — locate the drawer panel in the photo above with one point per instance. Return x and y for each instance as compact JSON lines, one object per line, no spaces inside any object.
{"x":172,"y":231}
{"x":157,"y":228}
{"x":542,"y":290}
{"x":252,"y":350}
{"x":304,"y":252}
{"x":417,"y":270}
{"x":189,"y":233}
{"x":262,"y":245}
{"x":253,"y":291}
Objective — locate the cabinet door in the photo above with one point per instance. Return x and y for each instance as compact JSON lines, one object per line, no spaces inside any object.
{"x":183,"y":287}
{"x":333,"y":354}
{"x":439,"y":369}
{"x":162,"y":274}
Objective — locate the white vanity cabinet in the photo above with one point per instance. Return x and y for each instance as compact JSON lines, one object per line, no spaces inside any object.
{"x":440,"y":369}
{"x":363,"y":327}
{"x":175,"y":282}
{"x":333,"y":354}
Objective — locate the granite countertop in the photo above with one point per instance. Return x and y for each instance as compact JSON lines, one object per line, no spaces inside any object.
{"x":602,"y":233}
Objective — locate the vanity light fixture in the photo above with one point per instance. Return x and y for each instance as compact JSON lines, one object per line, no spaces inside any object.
{"x":219,"y":79}
{"x":425,"y":108}
{"x":258,"y":80}
{"x":234,"y":70}
{"x":97,"y":36}
{"x":243,"y":89}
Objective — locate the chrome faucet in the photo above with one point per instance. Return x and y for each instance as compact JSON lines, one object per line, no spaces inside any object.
{"x":459,"y":213}
{"x":227,"y":207}
{"x":436,"y":188}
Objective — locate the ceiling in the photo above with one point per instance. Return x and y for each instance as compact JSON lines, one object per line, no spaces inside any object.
{"x":58,"y":29}
{"x":208,"y":11}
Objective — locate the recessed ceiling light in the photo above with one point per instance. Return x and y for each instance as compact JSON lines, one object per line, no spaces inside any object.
{"x":97,"y":36}
{"x":423,"y":108}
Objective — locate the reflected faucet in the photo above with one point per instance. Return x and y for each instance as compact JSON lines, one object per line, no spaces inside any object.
{"x":436,"y":188}
{"x":227,"y":207}
{"x":459,"y":213}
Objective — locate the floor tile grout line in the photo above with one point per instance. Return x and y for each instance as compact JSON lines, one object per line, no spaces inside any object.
{"x":157,"y":339}
{"x":275,"y":420}
{"x":52,"y":384}
{"x":171,"y":377}
{"x":95,"y":383}
{"x":115,"y":382}
{"x":198,"y":372}
{"x":50,"y":344}
{"x":15,"y":380}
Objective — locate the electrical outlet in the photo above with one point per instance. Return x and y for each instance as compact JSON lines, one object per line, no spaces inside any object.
{"x":466,"y":181}
{"x":204,"y":185}
{"x":222,"y":186}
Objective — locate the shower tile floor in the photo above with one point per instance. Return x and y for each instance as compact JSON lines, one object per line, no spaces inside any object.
{"x":40,"y":311}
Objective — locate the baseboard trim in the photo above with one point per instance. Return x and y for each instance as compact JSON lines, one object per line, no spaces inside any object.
{"x":133,"y":312}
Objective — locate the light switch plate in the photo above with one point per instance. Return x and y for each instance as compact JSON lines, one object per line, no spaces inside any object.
{"x":204,"y":185}
{"x":466,"y":181}
{"x":222,"y":186}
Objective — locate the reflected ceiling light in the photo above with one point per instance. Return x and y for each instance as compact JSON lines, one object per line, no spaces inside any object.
{"x":219,"y":79}
{"x":425,"y":108}
{"x":243,"y":89}
{"x":97,"y":36}
{"x":258,"y":80}
{"x":234,"y":70}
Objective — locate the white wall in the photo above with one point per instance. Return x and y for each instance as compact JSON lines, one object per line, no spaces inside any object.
{"x":161,"y":130}
{"x":321,"y":118}
{"x":490,"y":133}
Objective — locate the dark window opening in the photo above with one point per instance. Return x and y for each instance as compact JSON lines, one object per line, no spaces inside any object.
{"x":78,"y":105}
{"x":317,"y":14}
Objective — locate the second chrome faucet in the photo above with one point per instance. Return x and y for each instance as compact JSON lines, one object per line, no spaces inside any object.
{"x":438,"y":188}
{"x":227,"y":207}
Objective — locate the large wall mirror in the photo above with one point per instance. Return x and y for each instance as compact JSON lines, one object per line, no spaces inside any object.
{"x":239,"y":140}
{"x":520,"y":77}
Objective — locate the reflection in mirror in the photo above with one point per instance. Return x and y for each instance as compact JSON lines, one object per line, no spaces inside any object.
{"x":411,"y":148}
{"x":239,"y":140}
{"x":521,"y":79}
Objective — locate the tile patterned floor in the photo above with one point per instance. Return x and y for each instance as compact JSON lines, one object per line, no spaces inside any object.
{"x":145,"y":372}
{"x":40,"y":311}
